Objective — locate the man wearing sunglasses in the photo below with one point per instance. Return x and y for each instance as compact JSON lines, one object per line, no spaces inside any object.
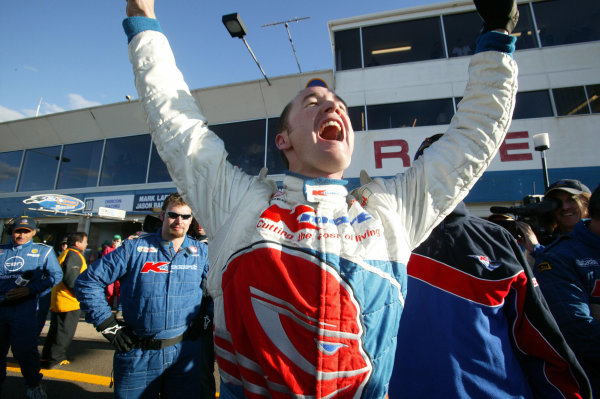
{"x":157,"y":350}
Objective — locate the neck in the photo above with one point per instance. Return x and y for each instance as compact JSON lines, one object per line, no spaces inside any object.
{"x":177,"y":241}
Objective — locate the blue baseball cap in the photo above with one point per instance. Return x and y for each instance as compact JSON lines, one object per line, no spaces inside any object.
{"x":24,"y":222}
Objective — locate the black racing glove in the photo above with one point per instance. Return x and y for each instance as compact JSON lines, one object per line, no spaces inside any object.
{"x":117,"y":334}
{"x":498,"y":14}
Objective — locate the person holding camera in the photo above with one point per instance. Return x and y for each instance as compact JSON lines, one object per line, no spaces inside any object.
{"x":568,"y":272}
{"x":571,"y":197}
{"x":26,"y":270}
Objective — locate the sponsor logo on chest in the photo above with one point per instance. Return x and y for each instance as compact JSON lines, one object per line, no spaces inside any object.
{"x":13,"y":264}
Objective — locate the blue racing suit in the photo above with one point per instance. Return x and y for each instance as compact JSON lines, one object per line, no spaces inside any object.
{"x":568,"y":272}
{"x":161,"y":294}
{"x":18,"y":320}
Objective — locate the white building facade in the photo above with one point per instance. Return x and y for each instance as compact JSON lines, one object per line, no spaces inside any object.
{"x":402,"y":74}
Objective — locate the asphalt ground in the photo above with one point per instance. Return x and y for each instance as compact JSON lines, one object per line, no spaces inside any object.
{"x":87,"y":376}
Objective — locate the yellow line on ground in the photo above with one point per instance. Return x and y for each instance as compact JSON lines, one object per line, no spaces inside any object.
{"x":67,"y":375}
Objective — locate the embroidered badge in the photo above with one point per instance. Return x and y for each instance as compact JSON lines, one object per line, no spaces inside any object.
{"x":544,"y":266}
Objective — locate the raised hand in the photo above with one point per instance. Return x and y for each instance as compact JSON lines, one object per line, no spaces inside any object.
{"x":498,"y":14}
{"x":140,"y":8}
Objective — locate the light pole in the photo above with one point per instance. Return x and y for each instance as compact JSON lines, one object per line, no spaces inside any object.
{"x":236,"y":28}
{"x":541,"y":143}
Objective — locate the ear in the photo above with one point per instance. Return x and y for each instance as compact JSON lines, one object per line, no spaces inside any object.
{"x":162,"y":216}
{"x":282,"y":141}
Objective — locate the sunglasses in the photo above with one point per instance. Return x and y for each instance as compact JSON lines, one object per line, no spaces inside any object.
{"x":174,"y":215}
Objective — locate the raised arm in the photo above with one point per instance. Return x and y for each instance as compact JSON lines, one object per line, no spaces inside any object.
{"x":420,"y":198}
{"x":195,"y":157}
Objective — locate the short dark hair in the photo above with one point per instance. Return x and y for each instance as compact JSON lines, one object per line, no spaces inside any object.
{"x":594,"y":204}
{"x":173,"y":199}
{"x":75,"y":237}
{"x":281,"y":127}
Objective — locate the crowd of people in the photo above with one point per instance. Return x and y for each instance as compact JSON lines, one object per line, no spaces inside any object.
{"x":311,"y":290}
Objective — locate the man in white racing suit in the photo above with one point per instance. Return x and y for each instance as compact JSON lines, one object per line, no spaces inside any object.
{"x":308,"y":281}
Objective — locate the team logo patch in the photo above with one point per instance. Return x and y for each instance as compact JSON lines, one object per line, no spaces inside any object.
{"x":156,"y":267}
{"x":194,"y":250}
{"x":486,"y":262}
{"x":147,"y":249}
{"x":13,"y":264}
{"x":544,"y":266}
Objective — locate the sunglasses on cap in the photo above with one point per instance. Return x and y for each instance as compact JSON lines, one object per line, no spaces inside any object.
{"x":175,"y":215}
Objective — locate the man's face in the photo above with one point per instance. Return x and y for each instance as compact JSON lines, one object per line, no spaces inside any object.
{"x":22,"y":236}
{"x":319,"y":139}
{"x":175,"y":224}
{"x":82,"y":245}
{"x":568,"y":213}
{"x":116,"y":243}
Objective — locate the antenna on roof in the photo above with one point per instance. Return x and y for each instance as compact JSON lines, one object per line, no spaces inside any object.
{"x":287,"y":27}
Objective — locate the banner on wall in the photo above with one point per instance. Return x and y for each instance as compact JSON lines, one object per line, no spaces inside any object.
{"x":123,"y":202}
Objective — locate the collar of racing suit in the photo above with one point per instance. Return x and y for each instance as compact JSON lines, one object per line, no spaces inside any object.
{"x":322,"y":190}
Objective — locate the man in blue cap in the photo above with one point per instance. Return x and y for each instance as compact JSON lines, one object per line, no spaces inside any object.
{"x":26,"y":270}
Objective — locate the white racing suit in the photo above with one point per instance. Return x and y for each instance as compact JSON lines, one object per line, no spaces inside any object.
{"x":309,"y":282}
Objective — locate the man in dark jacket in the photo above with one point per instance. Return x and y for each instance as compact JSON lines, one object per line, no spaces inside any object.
{"x":475,"y":324}
{"x":64,"y":305}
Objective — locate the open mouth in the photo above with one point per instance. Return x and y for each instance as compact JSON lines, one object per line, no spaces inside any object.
{"x":331,"y":130}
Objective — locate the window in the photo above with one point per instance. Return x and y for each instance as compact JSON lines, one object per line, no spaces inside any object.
{"x":80,"y":165}
{"x":567,"y":21}
{"x":524,"y":31}
{"x":533,"y":104}
{"x":399,"y":42}
{"x":570,"y":101}
{"x":10,"y":162}
{"x":274,"y":162}
{"x":39,"y":169}
{"x":461,"y":32}
{"x":593,"y":93}
{"x":245,"y":143}
{"x":158,"y":170}
{"x":125,"y":160}
{"x":347,"y":49}
{"x":410,"y":114}
{"x":357,"y":118}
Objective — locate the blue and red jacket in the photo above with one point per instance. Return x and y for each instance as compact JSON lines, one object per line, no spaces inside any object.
{"x":475,"y":324}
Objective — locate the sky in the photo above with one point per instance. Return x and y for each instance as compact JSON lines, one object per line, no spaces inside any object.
{"x":62,"y":55}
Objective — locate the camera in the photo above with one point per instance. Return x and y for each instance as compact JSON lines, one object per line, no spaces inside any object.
{"x":535,"y":211}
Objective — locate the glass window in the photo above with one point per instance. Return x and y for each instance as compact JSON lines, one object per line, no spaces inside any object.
{"x":39,"y":169}
{"x":410,"y":114}
{"x":245,"y":143}
{"x":10,"y":162}
{"x":524,"y":30}
{"x":125,"y":160}
{"x":570,"y":101}
{"x":80,"y":165}
{"x":347,"y":49}
{"x":402,"y":42}
{"x":593,"y":93}
{"x":461,"y":32}
{"x":567,"y":21}
{"x":158,"y":170}
{"x":533,"y":104}
{"x":357,"y":118}
{"x":274,"y":162}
